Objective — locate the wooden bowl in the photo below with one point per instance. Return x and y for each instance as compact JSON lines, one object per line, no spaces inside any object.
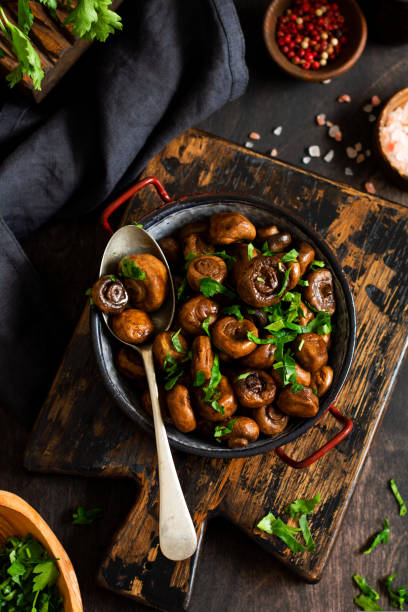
{"x":388,"y":166}
{"x":356,"y":33}
{"x":18,"y":518}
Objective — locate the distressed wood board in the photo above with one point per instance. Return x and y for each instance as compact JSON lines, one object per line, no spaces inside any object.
{"x":80,"y":430}
{"x":56,"y":46}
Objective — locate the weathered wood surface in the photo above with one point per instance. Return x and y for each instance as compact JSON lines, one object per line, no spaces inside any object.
{"x":81,"y":431}
{"x":57,"y":47}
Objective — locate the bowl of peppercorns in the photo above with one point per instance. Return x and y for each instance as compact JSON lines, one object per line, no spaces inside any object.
{"x":315,"y":40}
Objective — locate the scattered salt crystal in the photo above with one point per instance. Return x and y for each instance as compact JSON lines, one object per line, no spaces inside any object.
{"x":351,"y":153}
{"x":278,"y":131}
{"x":375,"y":101}
{"x":369,"y":187}
{"x":348,"y":171}
{"x":394,"y":137}
{"x":255,"y":136}
{"x":368,"y":153}
{"x":274,"y":153}
{"x":344,"y":98}
{"x":321,"y":119}
{"x":371,"y":118}
{"x":338,"y":137}
{"x":368,"y":108}
{"x":329,"y":123}
{"x":358,"y":146}
{"x":334,"y":129}
{"x":306,"y":159}
{"x":249,"y":144}
{"x":360,"y":158}
{"x":326,"y":81}
{"x":314,"y":151}
{"x":329,"y":156}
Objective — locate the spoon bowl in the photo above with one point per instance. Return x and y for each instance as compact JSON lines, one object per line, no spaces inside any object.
{"x":177,"y":535}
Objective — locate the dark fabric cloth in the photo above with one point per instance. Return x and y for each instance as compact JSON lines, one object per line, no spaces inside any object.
{"x":175,"y":63}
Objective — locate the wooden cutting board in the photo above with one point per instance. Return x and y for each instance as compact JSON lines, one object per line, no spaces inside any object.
{"x":82,"y":431}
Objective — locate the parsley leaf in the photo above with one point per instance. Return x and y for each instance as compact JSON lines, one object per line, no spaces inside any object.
{"x":93,"y":19}
{"x":130,"y":270}
{"x":210,"y":394}
{"x":303,"y":283}
{"x":88,"y":293}
{"x":285,"y":282}
{"x":307,"y":536}
{"x":302,"y":506}
{"x":206,"y":325}
{"x":223,"y":430}
{"x":290,"y":256}
{"x":182,"y":288}
{"x":366,"y":603}
{"x":381,"y":537}
{"x":365,"y":588}
{"x":175,"y":340}
{"x":317,"y":264}
{"x":243,"y":376}
{"x":137,"y":224}
{"x":25,"y":16}
{"x":251,"y":336}
{"x":47,"y":574}
{"x":260,"y":280}
{"x":251,"y":249}
{"x":85,"y":517}
{"x":400,"y":597}
{"x":397,"y":494}
{"x":234,"y":310}
{"x":199,"y":379}
{"x":209,"y":287}
{"x":276,"y":527}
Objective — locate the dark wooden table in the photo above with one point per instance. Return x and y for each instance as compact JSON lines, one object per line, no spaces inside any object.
{"x":235,"y":574}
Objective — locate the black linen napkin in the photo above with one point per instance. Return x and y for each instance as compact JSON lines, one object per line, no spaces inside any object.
{"x":175,"y":63}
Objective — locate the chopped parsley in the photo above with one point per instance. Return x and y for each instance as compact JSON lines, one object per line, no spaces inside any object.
{"x":303,"y":283}
{"x":199,"y":379}
{"x":223,"y":430}
{"x":209,"y":287}
{"x":399,"y":597}
{"x":317,"y":264}
{"x":260,"y":280}
{"x":174,"y":369}
{"x":206,"y":325}
{"x":285,"y":282}
{"x":137,"y":224}
{"x":291,"y":256}
{"x":88,"y":292}
{"x":380,"y":538}
{"x":182,"y":289}
{"x":397,"y":494}
{"x":251,"y":249}
{"x":234,"y":310}
{"x":130,"y":270}
{"x":85,"y":517}
{"x":175,"y":340}
{"x":365,"y":588}
{"x":242,"y":376}
{"x":302,"y":506}
{"x":366,"y":603}
{"x":210,"y":393}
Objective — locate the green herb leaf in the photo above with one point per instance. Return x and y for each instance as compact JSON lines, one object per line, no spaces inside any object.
{"x":303,"y":506}
{"x":137,"y":224}
{"x":199,"y":379}
{"x":303,"y":283}
{"x":206,"y":325}
{"x":234,"y":310}
{"x":366,"y":589}
{"x":399,"y":597}
{"x":307,"y":536}
{"x":131,"y":270}
{"x":112,"y":278}
{"x":93,"y":19}
{"x":317,"y":264}
{"x":223,"y":430}
{"x":214,"y":380}
{"x":284,"y":284}
{"x":301,"y":343}
{"x":209,"y":287}
{"x":251,"y":249}
{"x":25,"y":16}
{"x":260,"y":280}
{"x":365,"y":603}
{"x":243,"y":376}
{"x":296,"y":387}
{"x":251,"y":336}
{"x":278,"y":528}
{"x":381,"y":537}
{"x":182,"y":289}
{"x":16,"y":569}
{"x":175,"y":340}
{"x":47,"y":574}
{"x":85,"y":517}
{"x":290,"y":256}
{"x":397,"y":494}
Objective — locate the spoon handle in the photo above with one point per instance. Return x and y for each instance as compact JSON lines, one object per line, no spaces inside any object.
{"x":177,"y":535}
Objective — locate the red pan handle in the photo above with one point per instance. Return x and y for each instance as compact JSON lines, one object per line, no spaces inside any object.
{"x":348,"y":426}
{"x":150,"y":180}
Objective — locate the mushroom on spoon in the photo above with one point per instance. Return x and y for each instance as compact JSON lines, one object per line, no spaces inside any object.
{"x":177,"y":535}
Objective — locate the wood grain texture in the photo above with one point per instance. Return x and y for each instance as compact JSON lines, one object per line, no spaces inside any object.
{"x":81,"y":431}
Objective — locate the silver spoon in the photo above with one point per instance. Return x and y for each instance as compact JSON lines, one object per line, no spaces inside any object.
{"x":177,"y":535}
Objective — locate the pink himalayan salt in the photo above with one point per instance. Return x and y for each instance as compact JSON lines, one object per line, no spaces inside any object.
{"x":394,"y":138}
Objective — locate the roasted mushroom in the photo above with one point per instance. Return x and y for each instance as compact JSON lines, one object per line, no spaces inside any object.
{"x":254,"y":389}
{"x":303,"y":403}
{"x":133,"y":326}
{"x":263,"y":233}
{"x":202,"y":357}
{"x":306,"y":256}
{"x":163,"y":347}
{"x":261,"y":358}
{"x":244,"y":430}
{"x":130,"y":364}
{"x":179,"y":405}
{"x":149,"y":290}
{"x":195,"y":311}
{"x":171,"y":249}
{"x":146,"y":402}
{"x":197,"y":244}
{"x":307,"y":315}
{"x":206,"y":266}
{"x":231,"y":336}
{"x":271,"y":421}
{"x":197,"y":227}
{"x":262,"y":281}
{"x":303,"y":377}
{"x":279,"y":242}
{"x":311,"y":351}
{"x":242,"y":253}
{"x":109,"y":295}
{"x":322,"y":380}
{"x":229,"y":227}
{"x":225,"y":399}
{"x":320,"y":292}
{"x":257,"y":316}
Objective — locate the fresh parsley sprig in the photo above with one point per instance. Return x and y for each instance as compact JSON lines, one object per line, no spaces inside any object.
{"x":223,"y":430}
{"x":209,"y":287}
{"x":397,"y":495}
{"x":175,"y":340}
{"x":380,"y":538}
{"x":80,"y":516}
{"x":130,"y":270}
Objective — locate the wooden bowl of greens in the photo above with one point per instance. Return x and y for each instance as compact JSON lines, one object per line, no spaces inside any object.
{"x":35,"y":571}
